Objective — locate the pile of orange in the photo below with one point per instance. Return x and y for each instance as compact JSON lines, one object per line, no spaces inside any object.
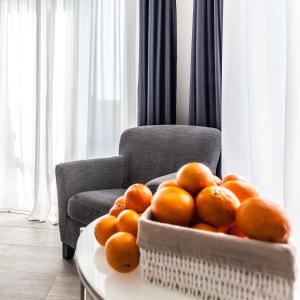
{"x":117,"y":230}
{"x":195,"y":199}
{"x":202,"y":201}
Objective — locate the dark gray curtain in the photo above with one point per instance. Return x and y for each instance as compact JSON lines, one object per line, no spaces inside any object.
{"x":157,"y":62}
{"x":206,"y":64}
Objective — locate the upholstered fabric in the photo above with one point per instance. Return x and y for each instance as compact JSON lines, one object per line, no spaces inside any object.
{"x":86,"y":189}
{"x":85,"y":175}
{"x":85,"y":207}
{"x":154,"y":151}
{"x":72,"y":232}
{"x":154,"y":183}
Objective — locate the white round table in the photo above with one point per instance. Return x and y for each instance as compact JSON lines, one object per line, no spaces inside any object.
{"x":102,"y":282}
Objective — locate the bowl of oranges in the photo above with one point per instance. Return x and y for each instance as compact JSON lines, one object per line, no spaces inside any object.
{"x":203,"y":236}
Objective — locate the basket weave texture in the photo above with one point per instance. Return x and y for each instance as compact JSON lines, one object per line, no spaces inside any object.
{"x":214,"y":266}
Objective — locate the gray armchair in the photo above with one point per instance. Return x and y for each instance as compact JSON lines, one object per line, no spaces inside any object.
{"x":149,"y":154}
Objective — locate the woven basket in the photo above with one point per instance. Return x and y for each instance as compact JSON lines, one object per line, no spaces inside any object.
{"x":214,"y":266}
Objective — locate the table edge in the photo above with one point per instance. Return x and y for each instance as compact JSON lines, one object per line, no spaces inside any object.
{"x":92,"y":292}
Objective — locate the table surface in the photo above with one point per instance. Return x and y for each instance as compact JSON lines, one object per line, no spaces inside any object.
{"x":105,"y":283}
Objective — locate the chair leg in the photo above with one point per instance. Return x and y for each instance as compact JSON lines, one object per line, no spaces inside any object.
{"x":67,"y":251}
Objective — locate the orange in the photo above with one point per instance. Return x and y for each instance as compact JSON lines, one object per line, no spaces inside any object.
{"x":173,"y":205}
{"x":206,"y":227}
{"x":122,"y":253}
{"x":172,"y":182}
{"x":138,"y":197}
{"x":217,"y":180}
{"x":118,"y":207}
{"x":127,"y":221}
{"x":194,"y":176}
{"x":105,"y":227}
{"x":232,"y":177}
{"x":263,"y":220}
{"x":236,"y":231}
{"x":242,"y":189}
{"x":224,"y":229}
{"x":195,"y":218}
{"x":217,"y":206}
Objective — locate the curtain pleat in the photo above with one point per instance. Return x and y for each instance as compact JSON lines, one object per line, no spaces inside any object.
{"x":292,"y":117}
{"x":206,"y":64}
{"x":254,"y":87}
{"x":67,"y":82}
{"x":157,"y":62}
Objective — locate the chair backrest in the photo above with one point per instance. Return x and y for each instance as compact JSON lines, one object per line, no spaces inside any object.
{"x":154,"y":151}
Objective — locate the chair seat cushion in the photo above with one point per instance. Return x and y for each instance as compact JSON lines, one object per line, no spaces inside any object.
{"x":85,"y":207}
{"x":154,"y":183}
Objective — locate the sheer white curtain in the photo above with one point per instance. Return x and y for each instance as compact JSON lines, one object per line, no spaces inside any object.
{"x":292,"y":115}
{"x":67,"y":85}
{"x":18,"y":65}
{"x":112,"y":73}
{"x":254,"y":61}
{"x":260,"y":109}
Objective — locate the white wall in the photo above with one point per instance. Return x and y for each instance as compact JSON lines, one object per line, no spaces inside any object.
{"x":184,"y":37}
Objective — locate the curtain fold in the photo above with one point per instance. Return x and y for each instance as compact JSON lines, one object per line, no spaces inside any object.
{"x":292,"y":116}
{"x":157,"y":62}
{"x":253,"y":108}
{"x":261,"y":92}
{"x":112,"y":73}
{"x":17,"y":102}
{"x":206,"y":64}
{"x":66,"y":85}
{"x":59,"y":126}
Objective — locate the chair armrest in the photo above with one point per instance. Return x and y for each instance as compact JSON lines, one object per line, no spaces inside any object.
{"x":92,"y":174}
{"x":154,"y":183}
{"x":86,"y":175}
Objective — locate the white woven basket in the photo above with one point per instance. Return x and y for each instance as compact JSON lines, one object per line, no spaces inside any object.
{"x":214,"y":266}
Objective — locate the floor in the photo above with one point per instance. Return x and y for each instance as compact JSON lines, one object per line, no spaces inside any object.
{"x":31,"y":266}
